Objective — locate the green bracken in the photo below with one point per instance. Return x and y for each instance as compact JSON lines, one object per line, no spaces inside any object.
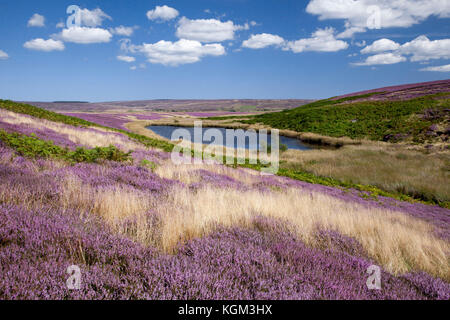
{"x":374,"y":120}
{"x":32,"y":147}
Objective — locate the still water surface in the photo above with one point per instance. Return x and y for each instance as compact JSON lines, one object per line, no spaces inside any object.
{"x":166,"y":132}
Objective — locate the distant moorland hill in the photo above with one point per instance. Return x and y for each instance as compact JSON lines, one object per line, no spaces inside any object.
{"x":167,"y":105}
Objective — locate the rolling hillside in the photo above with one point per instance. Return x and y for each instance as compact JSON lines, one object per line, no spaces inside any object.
{"x":75,"y":193}
{"x":418,"y":113}
{"x":168,"y":105}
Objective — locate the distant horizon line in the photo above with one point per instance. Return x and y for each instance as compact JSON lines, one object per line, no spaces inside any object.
{"x":243,"y":99}
{"x":170,"y":99}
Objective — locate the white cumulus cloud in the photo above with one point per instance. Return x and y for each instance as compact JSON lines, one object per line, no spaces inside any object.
{"x":36,"y":21}
{"x":44,"y":45}
{"x":263,"y":40}
{"x":128,"y":59}
{"x":360,"y":15}
{"x":381,"y":45}
{"x":382,"y":58}
{"x":445,"y":68}
{"x":3,"y":55}
{"x":84,"y":35}
{"x":122,"y":31}
{"x":207,"y":30}
{"x":163,"y":13}
{"x":322,"y":40}
{"x":423,"y":49}
{"x":418,"y":50}
{"x":180,"y":52}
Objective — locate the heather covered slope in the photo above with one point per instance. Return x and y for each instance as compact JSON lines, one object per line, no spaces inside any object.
{"x":229,"y":264}
{"x":140,"y":227}
{"x":402,"y":92}
{"x":45,"y":230}
{"x":417,"y":113}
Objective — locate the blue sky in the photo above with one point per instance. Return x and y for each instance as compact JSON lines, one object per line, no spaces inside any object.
{"x":208,"y":49}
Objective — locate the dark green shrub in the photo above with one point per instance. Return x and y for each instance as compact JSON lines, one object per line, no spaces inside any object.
{"x":33,"y":147}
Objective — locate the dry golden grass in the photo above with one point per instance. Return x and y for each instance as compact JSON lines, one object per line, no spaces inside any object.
{"x":393,"y":239}
{"x":393,"y":168}
{"x":95,"y":137}
{"x":398,"y":242}
{"x":189,"y":173}
{"x":126,"y":211}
